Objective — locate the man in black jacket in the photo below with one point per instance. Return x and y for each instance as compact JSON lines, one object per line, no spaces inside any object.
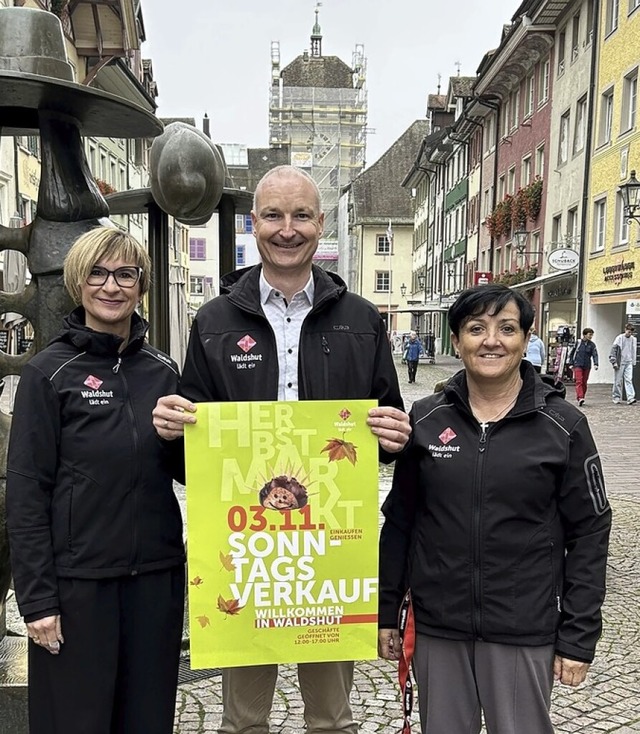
{"x":310,"y":340}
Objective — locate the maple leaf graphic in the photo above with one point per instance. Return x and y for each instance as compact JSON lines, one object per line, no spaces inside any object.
{"x":226,"y":561}
{"x":197,"y":581}
{"x":339,"y":449}
{"x":231,"y":606}
{"x":203,"y":620}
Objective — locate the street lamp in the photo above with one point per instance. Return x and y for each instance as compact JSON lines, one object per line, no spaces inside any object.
{"x":630,"y":193}
{"x":520,"y":237}
{"x":403,"y":290}
{"x":421,"y":281}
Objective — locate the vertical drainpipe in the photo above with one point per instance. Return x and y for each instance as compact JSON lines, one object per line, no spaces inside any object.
{"x":479,"y":207}
{"x":498,"y":109}
{"x":16,"y":168}
{"x":587,"y":168}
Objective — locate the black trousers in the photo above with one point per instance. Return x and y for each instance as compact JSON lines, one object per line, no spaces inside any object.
{"x":117,"y":671}
{"x":412,"y":368}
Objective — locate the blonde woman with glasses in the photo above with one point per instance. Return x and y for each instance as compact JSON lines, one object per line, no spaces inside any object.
{"x":94,"y":525}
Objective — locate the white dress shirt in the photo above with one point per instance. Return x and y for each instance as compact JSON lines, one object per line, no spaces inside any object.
{"x":285,"y":318}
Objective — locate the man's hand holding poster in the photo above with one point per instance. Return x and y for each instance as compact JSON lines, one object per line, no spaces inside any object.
{"x":282,"y":510}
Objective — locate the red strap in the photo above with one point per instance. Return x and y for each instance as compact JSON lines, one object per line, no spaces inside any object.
{"x":407,"y":629}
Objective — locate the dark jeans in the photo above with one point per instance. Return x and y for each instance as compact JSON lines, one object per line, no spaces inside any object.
{"x":412,"y":367}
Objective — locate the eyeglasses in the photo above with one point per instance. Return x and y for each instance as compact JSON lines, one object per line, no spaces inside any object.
{"x":125,"y":277}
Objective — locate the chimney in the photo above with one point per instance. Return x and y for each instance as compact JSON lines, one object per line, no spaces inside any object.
{"x":205,"y":125}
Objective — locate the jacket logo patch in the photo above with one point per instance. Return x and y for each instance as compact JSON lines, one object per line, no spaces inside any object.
{"x":443,"y":450}
{"x":93,"y":382}
{"x":595,"y":482}
{"x":447,"y":436}
{"x":247,"y":343}
{"x":246,"y":361}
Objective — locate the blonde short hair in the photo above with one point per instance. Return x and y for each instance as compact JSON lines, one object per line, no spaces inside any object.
{"x":103,"y":243}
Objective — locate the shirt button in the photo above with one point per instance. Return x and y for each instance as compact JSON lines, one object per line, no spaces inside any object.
{"x":290,"y":351}
{"x":277,"y":294}
{"x":288,"y":320}
{"x":289,"y":384}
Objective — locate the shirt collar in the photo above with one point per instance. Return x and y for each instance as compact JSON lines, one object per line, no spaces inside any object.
{"x":266,"y":290}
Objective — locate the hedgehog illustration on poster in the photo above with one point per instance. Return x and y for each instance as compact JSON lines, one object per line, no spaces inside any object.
{"x":283,"y":493}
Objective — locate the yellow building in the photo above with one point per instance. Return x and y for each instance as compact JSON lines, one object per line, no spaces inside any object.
{"x":612,"y":274}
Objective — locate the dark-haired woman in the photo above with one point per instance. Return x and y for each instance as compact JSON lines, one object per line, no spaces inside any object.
{"x":498,"y":523}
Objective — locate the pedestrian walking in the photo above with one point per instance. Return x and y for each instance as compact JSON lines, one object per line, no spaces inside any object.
{"x":94,"y":526}
{"x":316,"y":341}
{"x":623,"y":357}
{"x":581,"y":357}
{"x":535,"y":352}
{"x":413,"y":350}
{"x":498,"y":524}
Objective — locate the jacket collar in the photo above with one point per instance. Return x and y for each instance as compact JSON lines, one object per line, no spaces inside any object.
{"x":533,"y":394}
{"x":76,"y":332}
{"x":243,"y":287}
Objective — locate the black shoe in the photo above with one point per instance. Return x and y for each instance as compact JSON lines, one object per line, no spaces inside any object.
{"x":581,"y":402}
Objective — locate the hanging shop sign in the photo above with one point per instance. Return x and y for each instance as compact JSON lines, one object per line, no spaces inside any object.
{"x":482,"y":278}
{"x":564,"y":258}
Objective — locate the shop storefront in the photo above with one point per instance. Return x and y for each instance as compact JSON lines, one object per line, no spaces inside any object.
{"x":554,"y":297}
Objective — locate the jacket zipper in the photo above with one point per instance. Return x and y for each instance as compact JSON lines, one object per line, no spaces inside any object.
{"x":325,"y":366}
{"x":475,"y":533}
{"x":554,"y":581}
{"x":70,"y":535}
{"x":136,"y":451}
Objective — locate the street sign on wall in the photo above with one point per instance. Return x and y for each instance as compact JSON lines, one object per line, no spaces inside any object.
{"x":482,"y":278}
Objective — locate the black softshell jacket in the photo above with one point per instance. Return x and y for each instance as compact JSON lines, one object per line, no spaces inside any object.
{"x":344,"y":349}
{"x":501,"y":534}
{"x":89,"y":484}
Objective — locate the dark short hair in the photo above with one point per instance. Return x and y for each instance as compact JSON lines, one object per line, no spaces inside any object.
{"x":587,"y":331}
{"x":631,"y":327}
{"x":489,"y":299}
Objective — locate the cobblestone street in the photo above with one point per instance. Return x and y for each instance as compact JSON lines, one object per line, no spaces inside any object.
{"x":610,"y":699}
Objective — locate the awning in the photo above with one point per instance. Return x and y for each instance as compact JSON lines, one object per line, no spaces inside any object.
{"x":619,"y":297}
{"x":544,"y":279}
{"x":420,"y":309}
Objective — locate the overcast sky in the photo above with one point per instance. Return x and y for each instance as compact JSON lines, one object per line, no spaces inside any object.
{"x":214,"y":56}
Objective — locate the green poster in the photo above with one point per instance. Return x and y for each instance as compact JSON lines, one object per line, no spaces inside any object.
{"x":282,"y":517}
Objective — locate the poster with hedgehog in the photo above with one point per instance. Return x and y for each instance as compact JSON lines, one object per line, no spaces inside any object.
{"x":282,"y":518}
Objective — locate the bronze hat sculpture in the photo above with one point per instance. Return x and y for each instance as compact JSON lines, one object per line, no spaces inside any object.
{"x":187,"y":173}
{"x":35,"y":74}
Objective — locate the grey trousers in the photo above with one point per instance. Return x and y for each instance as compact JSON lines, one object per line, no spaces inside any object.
{"x":247,"y":696}
{"x":458,"y":681}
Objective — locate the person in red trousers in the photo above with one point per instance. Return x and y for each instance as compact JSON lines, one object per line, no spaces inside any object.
{"x":583,"y":354}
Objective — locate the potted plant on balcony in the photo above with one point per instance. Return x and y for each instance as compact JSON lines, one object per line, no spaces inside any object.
{"x":502,"y":216}
{"x":532,"y":198}
{"x":519,"y":210}
{"x":105,"y":188}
